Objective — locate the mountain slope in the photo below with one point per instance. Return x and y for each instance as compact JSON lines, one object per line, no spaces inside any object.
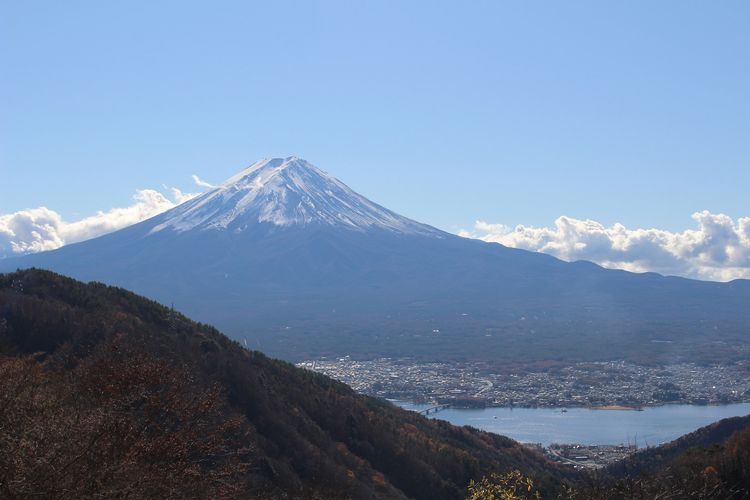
{"x":86,"y":366}
{"x":285,"y":192}
{"x":290,"y":260}
{"x":651,"y":460}
{"x":710,"y":463}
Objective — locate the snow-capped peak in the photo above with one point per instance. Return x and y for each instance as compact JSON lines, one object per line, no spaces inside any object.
{"x":285,"y":192}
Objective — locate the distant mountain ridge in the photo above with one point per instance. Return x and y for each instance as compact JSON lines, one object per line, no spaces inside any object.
{"x":288,"y":259}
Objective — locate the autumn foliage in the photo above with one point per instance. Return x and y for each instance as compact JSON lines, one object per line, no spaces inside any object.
{"x":114,"y":426}
{"x":107,"y":394}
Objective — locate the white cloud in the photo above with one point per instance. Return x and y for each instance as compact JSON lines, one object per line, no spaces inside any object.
{"x":719,"y":249}
{"x":40,"y":229}
{"x":201,"y":183}
{"x":33,"y":230}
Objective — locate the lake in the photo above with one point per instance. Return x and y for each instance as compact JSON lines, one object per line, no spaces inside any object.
{"x":650,"y":427}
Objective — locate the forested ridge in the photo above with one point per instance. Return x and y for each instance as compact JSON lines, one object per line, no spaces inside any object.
{"x":105,"y":393}
{"x":711,"y":462}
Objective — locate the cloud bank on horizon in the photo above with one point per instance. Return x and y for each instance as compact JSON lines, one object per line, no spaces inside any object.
{"x":40,"y":229}
{"x":719,"y":249}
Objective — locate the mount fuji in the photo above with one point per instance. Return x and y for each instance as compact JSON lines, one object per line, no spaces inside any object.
{"x":286,"y":192}
{"x":288,"y":259}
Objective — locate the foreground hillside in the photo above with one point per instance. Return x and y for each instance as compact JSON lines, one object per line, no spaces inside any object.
{"x":714,"y":436}
{"x":710,"y":463}
{"x":105,"y":393}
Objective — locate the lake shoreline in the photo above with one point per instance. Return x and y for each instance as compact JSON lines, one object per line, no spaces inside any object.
{"x":617,"y":408}
{"x":588,"y":426}
{"x":404,"y":402}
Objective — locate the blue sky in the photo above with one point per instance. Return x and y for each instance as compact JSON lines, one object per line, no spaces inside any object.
{"x":447,"y":112}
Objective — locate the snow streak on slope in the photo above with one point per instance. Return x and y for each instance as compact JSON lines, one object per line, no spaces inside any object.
{"x":285,"y":192}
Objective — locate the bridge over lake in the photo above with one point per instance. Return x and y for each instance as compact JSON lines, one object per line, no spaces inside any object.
{"x":434,"y":409}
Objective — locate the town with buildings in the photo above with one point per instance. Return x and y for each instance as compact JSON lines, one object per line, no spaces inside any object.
{"x":591,"y":384}
{"x":582,"y":456}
